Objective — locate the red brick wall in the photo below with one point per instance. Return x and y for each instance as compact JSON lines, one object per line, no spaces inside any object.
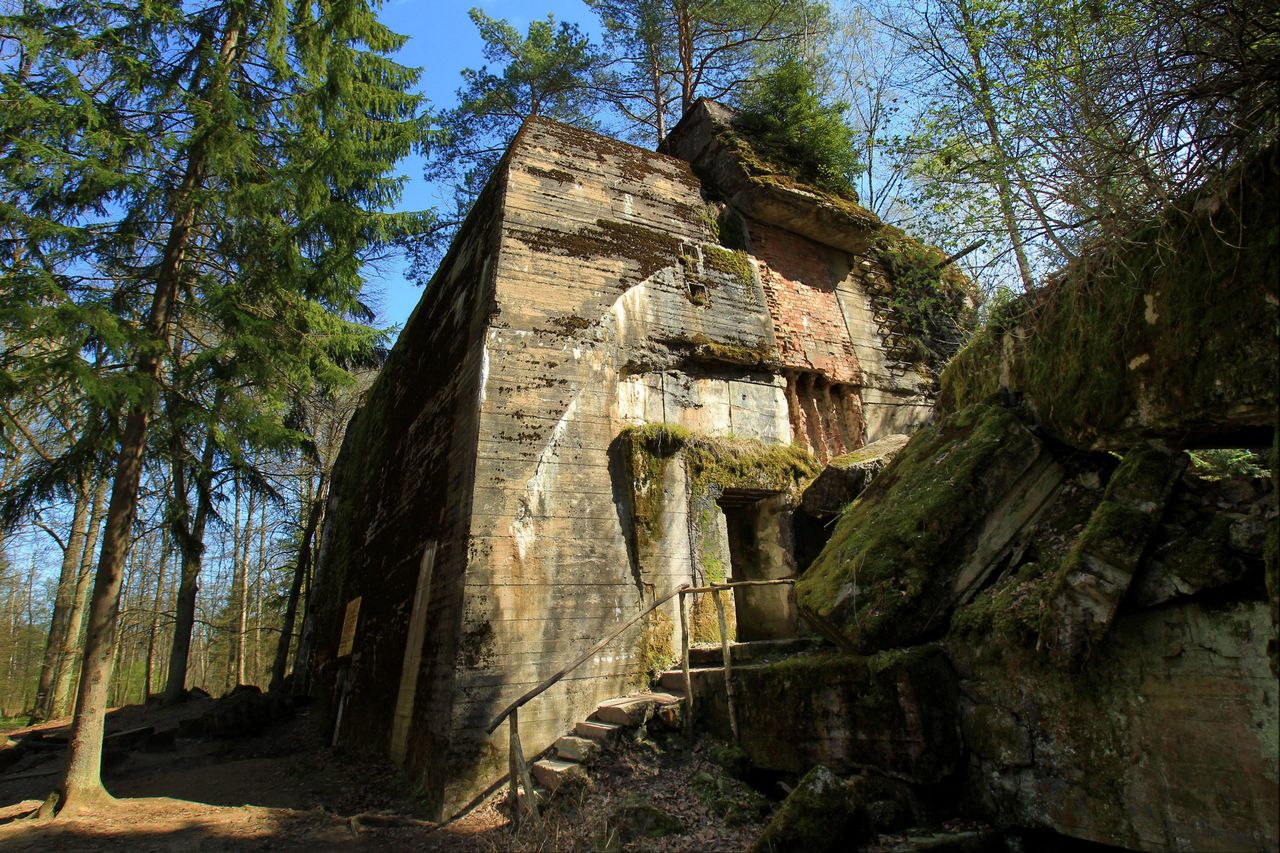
{"x":800,"y":290}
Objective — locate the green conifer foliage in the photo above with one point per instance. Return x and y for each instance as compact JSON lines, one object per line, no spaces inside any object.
{"x":188,"y":192}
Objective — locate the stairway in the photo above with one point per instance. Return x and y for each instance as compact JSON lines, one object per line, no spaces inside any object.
{"x":615,"y":720}
{"x":612,"y":721}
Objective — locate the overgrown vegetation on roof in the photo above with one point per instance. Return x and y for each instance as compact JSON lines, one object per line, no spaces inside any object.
{"x":786,"y":123}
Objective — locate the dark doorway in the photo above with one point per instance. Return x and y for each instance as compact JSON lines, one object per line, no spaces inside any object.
{"x":761,"y":548}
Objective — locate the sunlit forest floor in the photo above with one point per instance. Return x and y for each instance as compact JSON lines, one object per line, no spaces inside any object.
{"x":285,"y":789}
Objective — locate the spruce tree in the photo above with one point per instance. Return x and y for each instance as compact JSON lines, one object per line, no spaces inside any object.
{"x":249,"y":148}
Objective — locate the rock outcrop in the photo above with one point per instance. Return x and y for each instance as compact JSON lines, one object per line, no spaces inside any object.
{"x":1106,"y":615}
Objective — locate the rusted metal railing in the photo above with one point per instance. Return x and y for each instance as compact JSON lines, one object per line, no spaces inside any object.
{"x":517,"y":766}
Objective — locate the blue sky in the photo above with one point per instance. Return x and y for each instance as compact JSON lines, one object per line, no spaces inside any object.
{"x":443,"y":41}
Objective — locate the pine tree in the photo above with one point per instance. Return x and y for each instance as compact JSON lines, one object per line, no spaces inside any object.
{"x":250,"y":147}
{"x":546,"y":72}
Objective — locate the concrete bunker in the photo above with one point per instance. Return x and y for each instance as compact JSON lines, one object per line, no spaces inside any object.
{"x":600,"y":397}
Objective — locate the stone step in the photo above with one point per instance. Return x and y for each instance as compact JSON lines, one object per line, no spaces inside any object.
{"x":711,"y":655}
{"x":554,"y":773}
{"x":580,"y":749}
{"x":635,"y":710}
{"x":672,"y":680}
{"x":600,"y":732}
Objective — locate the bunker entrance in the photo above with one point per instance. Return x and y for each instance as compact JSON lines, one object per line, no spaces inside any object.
{"x":759,"y":534}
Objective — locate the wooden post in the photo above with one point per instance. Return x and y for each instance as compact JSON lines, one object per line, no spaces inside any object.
{"x":513,"y":772}
{"x":519,"y":772}
{"x":684,"y":663}
{"x":728,"y":663}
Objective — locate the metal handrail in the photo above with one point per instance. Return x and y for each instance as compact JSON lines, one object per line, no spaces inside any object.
{"x":518,"y":769}
{"x":581,"y":659}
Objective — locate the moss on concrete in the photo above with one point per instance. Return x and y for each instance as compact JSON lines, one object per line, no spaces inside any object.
{"x":712,"y":466}
{"x":973,"y":374}
{"x":735,"y":264}
{"x":883,"y":578}
{"x":656,"y":653}
{"x":822,"y":813}
{"x":759,"y":354}
{"x":649,"y":248}
{"x":1012,"y":608}
{"x":1170,"y":331}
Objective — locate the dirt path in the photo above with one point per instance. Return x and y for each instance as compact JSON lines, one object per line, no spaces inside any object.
{"x":285,"y":790}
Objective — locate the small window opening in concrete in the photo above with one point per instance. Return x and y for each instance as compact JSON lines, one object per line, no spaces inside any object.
{"x":761,"y":547}
{"x":697,"y":291}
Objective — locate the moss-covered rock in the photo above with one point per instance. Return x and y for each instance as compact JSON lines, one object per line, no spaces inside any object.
{"x":1169,"y":333}
{"x":823,"y":813}
{"x":886,"y":576}
{"x":846,"y":476}
{"x":637,"y":818}
{"x":1095,"y":575}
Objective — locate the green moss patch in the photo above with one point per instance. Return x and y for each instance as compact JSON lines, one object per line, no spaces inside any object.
{"x":1170,"y":331}
{"x":885,"y":576}
{"x":929,"y":303}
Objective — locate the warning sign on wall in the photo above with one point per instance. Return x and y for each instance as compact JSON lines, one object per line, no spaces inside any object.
{"x":349,"y":620}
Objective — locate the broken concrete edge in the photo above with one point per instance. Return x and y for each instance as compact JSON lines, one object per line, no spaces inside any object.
{"x":893,"y":713}
{"x":932,"y":301}
{"x":845,"y":477}
{"x":1091,"y":582}
{"x":883,"y":580}
{"x":1167,"y":334}
{"x":972,"y":484}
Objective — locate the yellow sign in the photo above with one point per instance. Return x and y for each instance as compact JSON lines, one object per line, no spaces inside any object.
{"x":349,"y":628}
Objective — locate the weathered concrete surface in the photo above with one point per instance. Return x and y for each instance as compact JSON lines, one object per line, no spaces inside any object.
{"x":1172,"y":335}
{"x":1167,"y":741}
{"x":895,"y":713}
{"x":814,"y":258}
{"x":1095,"y":575}
{"x":480,"y":507}
{"x":845,"y":477}
{"x":888,"y":575}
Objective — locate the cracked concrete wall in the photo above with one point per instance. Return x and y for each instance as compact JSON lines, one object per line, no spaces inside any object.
{"x":590,"y":294}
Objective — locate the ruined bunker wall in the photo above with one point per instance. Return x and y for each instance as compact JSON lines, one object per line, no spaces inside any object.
{"x":857,"y":368}
{"x":596,"y":328}
{"x":847,"y":383}
{"x":1167,"y":741}
{"x":402,"y":487}
{"x":1169,"y":334}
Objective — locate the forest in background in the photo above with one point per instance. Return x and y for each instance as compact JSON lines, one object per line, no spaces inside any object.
{"x":192,"y":192}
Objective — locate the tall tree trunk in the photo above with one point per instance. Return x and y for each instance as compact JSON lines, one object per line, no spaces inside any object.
{"x":240,"y":592}
{"x":68,"y":673}
{"x":64,"y":601}
{"x":189,"y":533}
{"x":156,"y":603}
{"x":28,"y":651}
{"x":301,"y":570}
{"x":257,"y":591}
{"x":82,"y":786}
